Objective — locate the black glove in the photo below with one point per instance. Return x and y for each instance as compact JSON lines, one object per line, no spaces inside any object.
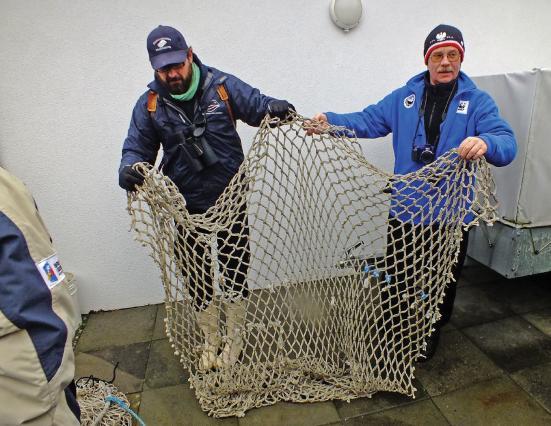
{"x":280,"y":109}
{"x":129,"y":178}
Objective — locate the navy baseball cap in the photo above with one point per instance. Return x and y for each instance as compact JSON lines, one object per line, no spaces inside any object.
{"x":166,"y":45}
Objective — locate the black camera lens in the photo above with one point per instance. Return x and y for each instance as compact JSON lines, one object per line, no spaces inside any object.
{"x":426,"y":156}
{"x":423,"y":154}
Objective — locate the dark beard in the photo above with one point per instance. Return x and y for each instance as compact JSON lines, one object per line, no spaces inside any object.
{"x":176,"y":86}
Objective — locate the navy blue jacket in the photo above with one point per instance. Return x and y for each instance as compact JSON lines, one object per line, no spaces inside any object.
{"x":149,"y":131}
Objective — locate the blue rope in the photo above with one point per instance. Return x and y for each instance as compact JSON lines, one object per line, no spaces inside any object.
{"x":422,"y":295}
{"x":121,"y":403}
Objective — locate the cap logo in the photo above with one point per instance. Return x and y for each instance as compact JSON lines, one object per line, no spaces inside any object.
{"x":162,"y":43}
{"x":440,"y":36}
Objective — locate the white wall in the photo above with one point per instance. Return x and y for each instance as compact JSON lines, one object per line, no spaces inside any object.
{"x":72,"y":71}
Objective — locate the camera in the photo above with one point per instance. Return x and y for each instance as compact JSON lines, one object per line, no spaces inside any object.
{"x":423,"y":154}
{"x":196,"y":149}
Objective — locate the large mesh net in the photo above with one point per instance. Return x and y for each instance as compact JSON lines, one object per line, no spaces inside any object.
{"x":315,"y":276}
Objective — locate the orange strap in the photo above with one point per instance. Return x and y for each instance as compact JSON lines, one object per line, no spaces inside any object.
{"x":152,"y":101}
{"x":222,"y":92}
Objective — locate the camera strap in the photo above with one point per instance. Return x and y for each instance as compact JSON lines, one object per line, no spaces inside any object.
{"x":436,"y":140}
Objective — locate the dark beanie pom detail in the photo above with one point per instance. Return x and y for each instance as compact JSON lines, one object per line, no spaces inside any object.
{"x":443,"y":35}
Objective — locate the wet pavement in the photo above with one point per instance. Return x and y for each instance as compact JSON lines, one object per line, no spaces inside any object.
{"x":492,"y":367}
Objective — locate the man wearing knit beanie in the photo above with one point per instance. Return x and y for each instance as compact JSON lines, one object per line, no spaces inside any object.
{"x":438,"y":110}
{"x":441,"y":36}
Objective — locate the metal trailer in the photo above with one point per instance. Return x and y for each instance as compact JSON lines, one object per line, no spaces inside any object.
{"x":519,"y":244}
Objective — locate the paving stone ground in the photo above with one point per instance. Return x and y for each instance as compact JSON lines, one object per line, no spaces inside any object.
{"x":493,"y":366}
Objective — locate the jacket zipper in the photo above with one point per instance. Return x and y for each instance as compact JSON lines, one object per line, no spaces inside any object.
{"x":180,"y":112}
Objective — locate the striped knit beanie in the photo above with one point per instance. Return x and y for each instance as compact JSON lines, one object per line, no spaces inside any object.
{"x":443,"y":35}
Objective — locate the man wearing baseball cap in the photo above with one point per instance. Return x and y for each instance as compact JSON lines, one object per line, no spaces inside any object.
{"x":190,"y":110}
{"x":437,"y":110}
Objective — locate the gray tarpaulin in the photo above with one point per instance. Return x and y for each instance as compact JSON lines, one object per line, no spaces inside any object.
{"x":524,"y":100}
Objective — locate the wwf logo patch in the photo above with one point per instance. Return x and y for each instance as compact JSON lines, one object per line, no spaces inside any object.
{"x":463,"y":107}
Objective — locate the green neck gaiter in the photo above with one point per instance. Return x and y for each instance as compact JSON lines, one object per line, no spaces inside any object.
{"x":195,"y":77}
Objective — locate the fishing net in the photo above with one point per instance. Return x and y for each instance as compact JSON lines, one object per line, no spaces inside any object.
{"x":102,"y":404}
{"x":315,"y":276}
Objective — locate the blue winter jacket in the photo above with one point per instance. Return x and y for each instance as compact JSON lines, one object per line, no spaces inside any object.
{"x":149,"y":131}
{"x":472,"y":112}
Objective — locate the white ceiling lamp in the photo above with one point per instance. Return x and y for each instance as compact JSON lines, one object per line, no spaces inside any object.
{"x":346,"y":14}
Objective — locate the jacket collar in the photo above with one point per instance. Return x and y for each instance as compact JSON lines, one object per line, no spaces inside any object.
{"x":417,"y":83}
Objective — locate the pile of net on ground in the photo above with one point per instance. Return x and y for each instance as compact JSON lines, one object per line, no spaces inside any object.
{"x":299,"y":268}
{"x":101,"y":404}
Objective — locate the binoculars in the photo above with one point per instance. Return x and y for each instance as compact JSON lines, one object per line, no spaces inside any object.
{"x":196,"y":149}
